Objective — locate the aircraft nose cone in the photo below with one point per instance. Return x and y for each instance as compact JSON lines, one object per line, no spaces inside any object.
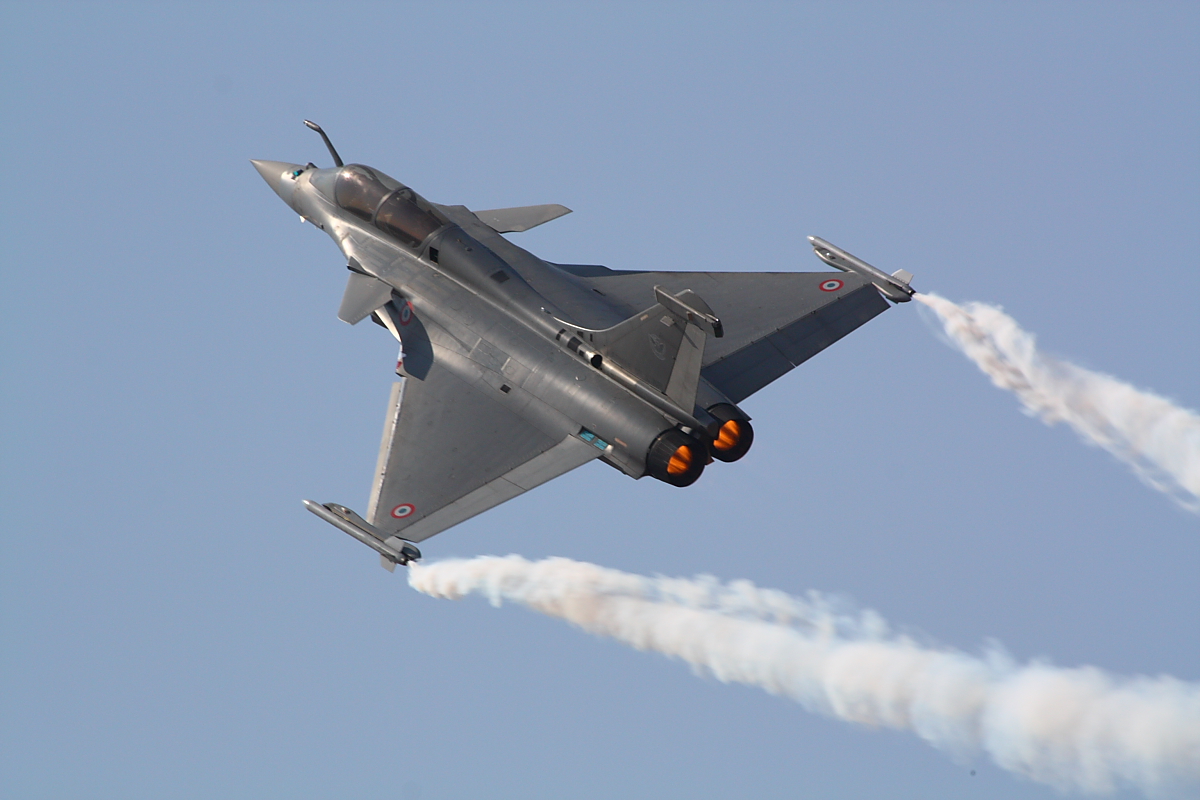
{"x":278,"y":175}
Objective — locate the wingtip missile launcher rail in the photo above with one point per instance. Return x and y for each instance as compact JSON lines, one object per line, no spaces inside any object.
{"x":895,"y":286}
{"x":392,"y":549}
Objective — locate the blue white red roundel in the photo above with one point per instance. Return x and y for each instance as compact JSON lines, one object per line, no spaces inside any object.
{"x":403,"y":510}
{"x":832,"y":285}
{"x":406,"y":314}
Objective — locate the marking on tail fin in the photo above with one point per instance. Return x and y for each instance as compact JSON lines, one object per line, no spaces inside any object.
{"x":658,"y":346}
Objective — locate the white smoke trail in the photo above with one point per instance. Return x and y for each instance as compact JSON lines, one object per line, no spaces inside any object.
{"x":1076,"y":729}
{"x":1157,"y":438}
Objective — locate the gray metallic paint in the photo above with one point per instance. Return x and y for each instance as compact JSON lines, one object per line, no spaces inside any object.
{"x":506,"y":357}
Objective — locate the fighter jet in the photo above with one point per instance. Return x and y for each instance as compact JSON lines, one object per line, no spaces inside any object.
{"x":515,"y":370}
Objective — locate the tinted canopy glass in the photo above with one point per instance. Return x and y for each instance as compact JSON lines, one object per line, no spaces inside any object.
{"x":407,"y":216}
{"x":359,"y":191}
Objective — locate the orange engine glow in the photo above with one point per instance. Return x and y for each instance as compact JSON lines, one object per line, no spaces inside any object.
{"x":729,"y":435}
{"x":680,"y":461}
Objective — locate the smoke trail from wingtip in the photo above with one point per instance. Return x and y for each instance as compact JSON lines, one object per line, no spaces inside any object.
{"x":1157,"y":438}
{"x":1076,"y":729}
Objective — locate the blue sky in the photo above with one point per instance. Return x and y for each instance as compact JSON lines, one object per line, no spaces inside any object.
{"x":173,"y":623}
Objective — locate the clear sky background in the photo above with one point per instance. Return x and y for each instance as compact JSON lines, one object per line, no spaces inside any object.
{"x":173,"y":623}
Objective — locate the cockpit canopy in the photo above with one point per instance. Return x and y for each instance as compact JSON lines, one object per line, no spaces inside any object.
{"x":394,"y":208}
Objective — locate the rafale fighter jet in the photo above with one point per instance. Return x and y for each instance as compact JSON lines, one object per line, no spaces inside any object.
{"x":515,"y":370}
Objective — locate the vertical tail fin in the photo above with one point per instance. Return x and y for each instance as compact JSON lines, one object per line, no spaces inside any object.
{"x":662,"y":346}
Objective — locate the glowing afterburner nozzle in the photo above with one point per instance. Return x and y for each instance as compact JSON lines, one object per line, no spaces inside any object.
{"x":729,"y":435}
{"x":681,"y":460}
{"x":734,"y":437}
{"x":676,"y":458}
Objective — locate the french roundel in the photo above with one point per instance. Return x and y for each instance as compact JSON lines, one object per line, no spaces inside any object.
{"x":403,"y":510}
{"x":406,"y":316}
{"x":832,"y":285}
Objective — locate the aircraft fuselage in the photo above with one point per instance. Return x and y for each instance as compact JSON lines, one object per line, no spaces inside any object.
{"x":517,"y":370}
{"x":505,"y":320}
